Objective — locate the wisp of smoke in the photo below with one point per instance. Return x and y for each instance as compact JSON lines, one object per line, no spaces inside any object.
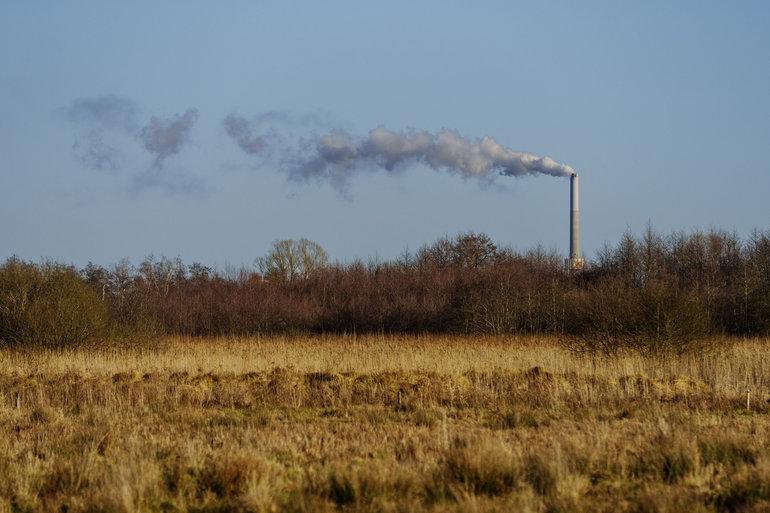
{"x":106,"y":123}
{"x":242,"y":133}
{"x":107,"y":112}
{"x":95,"y":153}
{"x":270,"y":132}
{"x":94,"y":117}
{"x":166,"y":137}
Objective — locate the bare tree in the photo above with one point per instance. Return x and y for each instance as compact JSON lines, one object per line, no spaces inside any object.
{"x":290,"y":259}
{"x":466,"y":250}
{"x":474,"y":250}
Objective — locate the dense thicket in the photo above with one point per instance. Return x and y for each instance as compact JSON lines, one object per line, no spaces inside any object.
{"x":47,"y":304}
{"x":646,"y":292}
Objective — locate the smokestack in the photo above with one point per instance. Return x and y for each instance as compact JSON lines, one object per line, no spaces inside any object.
{"x":575,"y":261}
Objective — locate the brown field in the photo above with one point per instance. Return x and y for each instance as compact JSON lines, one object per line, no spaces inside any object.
{"x":382,"y":423}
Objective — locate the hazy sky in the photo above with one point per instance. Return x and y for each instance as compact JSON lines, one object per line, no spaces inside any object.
{"x":662,"y":107}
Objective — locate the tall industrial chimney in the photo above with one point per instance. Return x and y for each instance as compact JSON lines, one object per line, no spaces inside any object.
{"x":575,"y":262}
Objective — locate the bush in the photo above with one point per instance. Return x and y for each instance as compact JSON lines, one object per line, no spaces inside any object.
{"x":47,"y":304}
{"x":656,"y":317}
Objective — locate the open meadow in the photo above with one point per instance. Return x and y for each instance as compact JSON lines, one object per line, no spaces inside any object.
{"x":382,"y":423}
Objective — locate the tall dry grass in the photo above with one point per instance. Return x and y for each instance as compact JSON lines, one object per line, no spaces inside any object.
{"x":381,"y":424}
{"x":729,"y":365}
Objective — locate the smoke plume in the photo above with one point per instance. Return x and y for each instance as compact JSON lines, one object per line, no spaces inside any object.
{"x":108,"y":123}
{"x":166,"y":137}
{"x":336,"y":155}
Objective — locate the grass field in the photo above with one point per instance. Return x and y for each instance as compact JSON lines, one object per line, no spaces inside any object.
{"x":382,"y":423}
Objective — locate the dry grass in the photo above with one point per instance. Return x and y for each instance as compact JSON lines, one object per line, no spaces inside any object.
{"x":382,"y":424}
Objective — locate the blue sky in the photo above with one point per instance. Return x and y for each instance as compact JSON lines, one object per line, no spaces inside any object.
{"x":663,"y":108}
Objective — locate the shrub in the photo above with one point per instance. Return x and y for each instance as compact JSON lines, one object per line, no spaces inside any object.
{"x":47,"y":304}
{"x":656,"y":317}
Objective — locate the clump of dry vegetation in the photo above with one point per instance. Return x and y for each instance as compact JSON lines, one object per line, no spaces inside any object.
{"x":48,"y":305}
{"x":382,"y":423}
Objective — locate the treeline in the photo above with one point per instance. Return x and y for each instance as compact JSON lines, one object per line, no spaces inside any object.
{"x":649,"y":292}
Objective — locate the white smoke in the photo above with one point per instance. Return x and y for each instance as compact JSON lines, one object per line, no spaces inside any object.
{"x":337,"y":155}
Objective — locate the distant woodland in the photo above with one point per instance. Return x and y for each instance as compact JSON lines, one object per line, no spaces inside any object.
{"x":649,"y":292}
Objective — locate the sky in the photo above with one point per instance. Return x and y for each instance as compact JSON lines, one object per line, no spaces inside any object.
{"x":663,"y":108}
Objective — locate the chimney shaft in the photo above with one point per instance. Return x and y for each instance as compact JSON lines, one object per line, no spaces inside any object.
{"x":575,"y":262}
{"x":574,"y":218}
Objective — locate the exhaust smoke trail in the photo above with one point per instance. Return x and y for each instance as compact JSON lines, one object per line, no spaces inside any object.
{"x":107,"y":126}
{"x":444,"y":150}
{"x":336,"y":155}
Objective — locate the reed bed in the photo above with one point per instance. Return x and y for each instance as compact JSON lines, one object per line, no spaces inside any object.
{"x":382,"y":423}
